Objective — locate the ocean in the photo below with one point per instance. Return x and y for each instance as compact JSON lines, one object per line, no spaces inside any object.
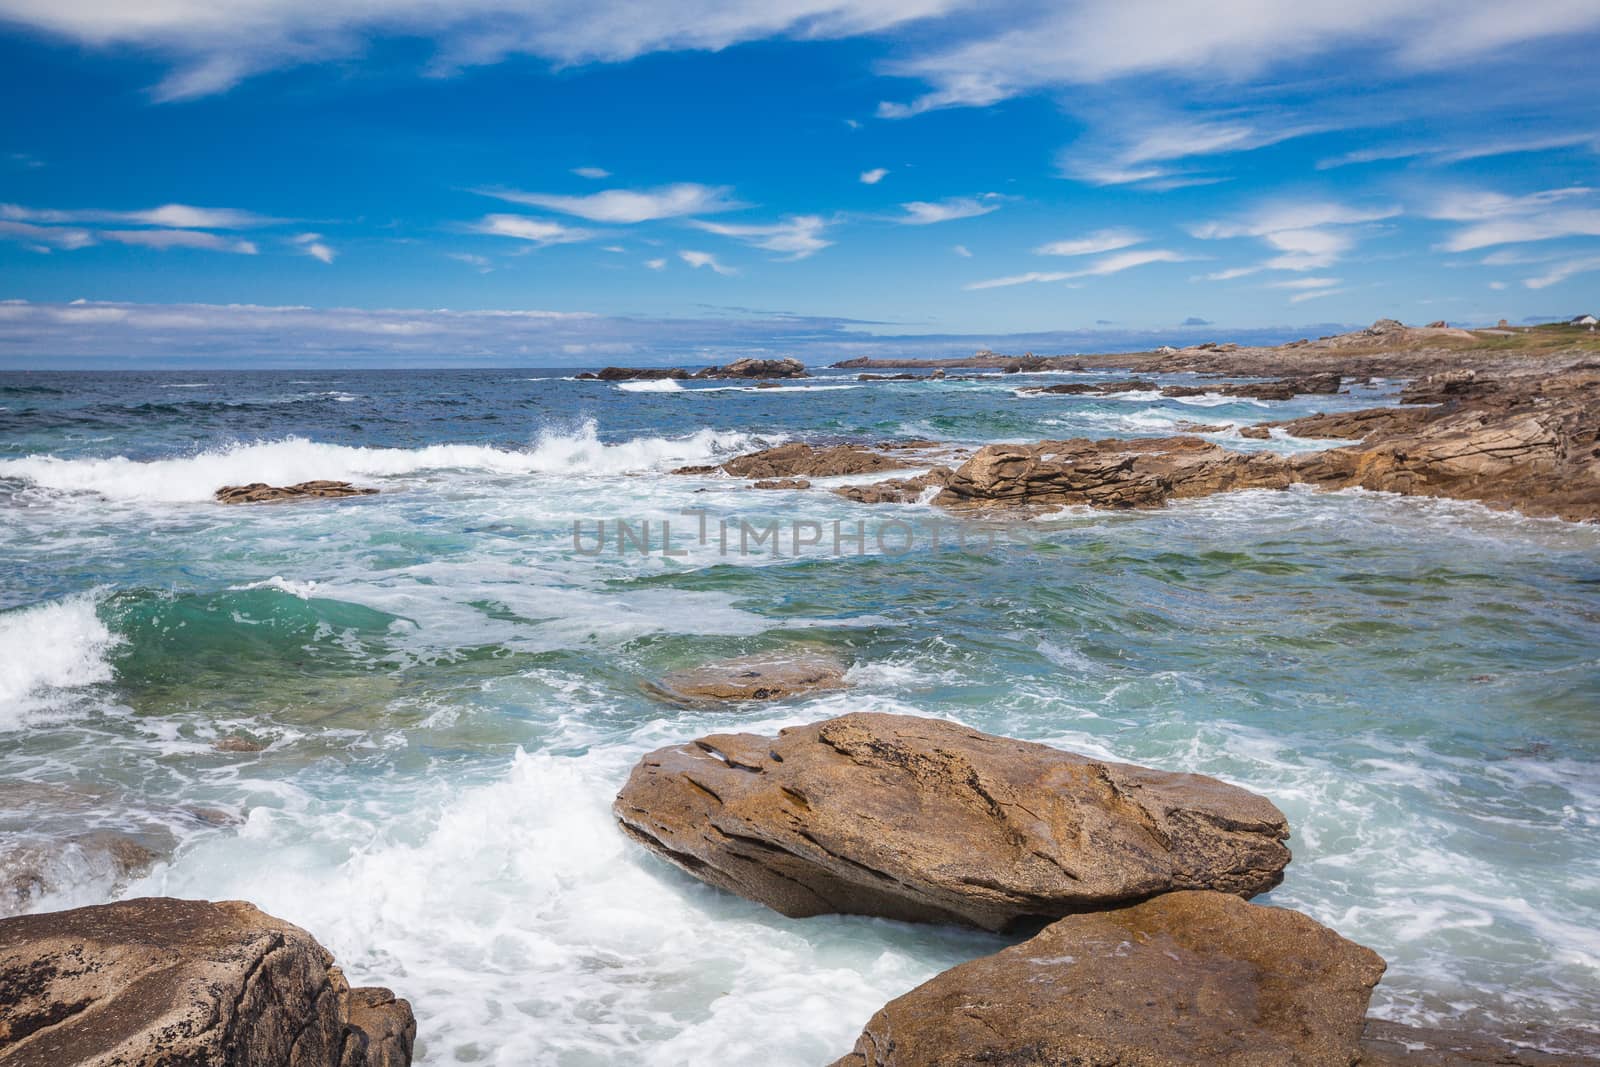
{"x":447,"y":689}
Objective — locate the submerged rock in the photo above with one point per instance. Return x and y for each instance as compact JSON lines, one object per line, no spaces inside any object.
{"x":1186,"y":978}
{"x":162,"y":981}
{"x":765,"y":676}
{"x":1388,"y":1044}
{"x":800,"y":460}
{"x":33,"y":867}
{"x":262,"y":493}
{"x":930,"y":821}
{"x":629,"y":374}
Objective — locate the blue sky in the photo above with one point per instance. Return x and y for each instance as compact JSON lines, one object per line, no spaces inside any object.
{"x":554,"y":182}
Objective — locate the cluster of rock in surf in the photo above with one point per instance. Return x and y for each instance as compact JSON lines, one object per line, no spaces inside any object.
{"x":1149,"y":952}
{"x":1529,"y":441}
{"x":748,"y":369}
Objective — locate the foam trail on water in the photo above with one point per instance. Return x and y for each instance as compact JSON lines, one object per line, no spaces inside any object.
{"x":654,"y":385}
{"x":295,"y":459}
{"x":47,"y":649}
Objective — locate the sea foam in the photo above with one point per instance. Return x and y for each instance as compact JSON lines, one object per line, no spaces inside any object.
{"x":46,"y":649}
{"x":295,"y":459}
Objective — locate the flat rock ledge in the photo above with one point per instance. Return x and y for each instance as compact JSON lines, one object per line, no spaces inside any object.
{"x":929,"y":821}
{"x":157,"y":981}
{"x":1195,"y":978}
{"x":262,"y":493}
{"x":764,"y":676}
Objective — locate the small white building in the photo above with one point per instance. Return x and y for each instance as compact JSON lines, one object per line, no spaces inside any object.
{"x":1584,"y":320}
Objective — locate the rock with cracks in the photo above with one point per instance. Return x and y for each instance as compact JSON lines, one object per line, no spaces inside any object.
{"x":1200,"y":979}
{"x":930,"y":821}
{"x":156,"y":981}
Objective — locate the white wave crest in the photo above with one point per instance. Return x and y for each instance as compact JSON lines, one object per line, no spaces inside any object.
{"x":651,"y":385}
{"x":295,"y":459}
{"x":48,"y":649}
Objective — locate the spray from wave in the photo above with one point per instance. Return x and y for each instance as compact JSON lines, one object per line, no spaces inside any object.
{"x":46,"y":651}
{"x":295,"y":459}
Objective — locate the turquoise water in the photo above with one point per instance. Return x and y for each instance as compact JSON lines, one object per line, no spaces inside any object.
{"x":449,"y":694}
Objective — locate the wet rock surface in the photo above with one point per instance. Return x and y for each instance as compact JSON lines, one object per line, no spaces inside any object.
{"x":764,"y":676}
{"x":262,"y":493}
{"x":1186,"y":978}
{"x":930,"y":821}
{"x":1389,"y":1044}
{"x":161,"y":981}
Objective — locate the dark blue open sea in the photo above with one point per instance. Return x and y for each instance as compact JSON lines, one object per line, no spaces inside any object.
{"x":449,"y":694}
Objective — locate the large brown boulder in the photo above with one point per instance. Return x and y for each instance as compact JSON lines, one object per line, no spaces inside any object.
{"x":1141,"y":473}
{"x":1199,"y":978}
{"x":800,"y":460}
{"x":930,"y":821}
{"x":156,"y":981}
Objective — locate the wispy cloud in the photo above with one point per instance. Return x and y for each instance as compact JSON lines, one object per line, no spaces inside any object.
{"x":925,"y":213}
{"x":705,"y":259}
{"x":1135,"y":149}
{"x":1113,"y":264}
{"x":169,"y":216}
{"x":527,"y":228}
{"x":656,"y":264}
{"x":1090,"y":244}
{"x":874,"y":176}
{"x":165,"y":239}
{"x":1560,"y":272}
{"x":1098,"y":41}
{"x":1306,"y":235}
{"x":1497,"y":219}
{"x":796,"y":237}
{"x":962,"y":250}
{"x":312,"y":245}
{"x":625,"y":206}
{"x":1481,"y":149}
{"x":45,"y":238}
{"x":482,"y":264}
{"x":592,"y":173}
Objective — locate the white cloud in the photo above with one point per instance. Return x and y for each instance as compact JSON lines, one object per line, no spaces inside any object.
{"x":874,"y":176}
{"x":1096,"y":41}
{"x":656,"y":264}
{"x":592,"y":173}
{"x":169,"y":216}
{"x":705,"y":259}
{"x":1305,"y":283}
{"x":526,"y":228}
{"x":1138,"y":149}
{"x":44,"y":238}
{"x":215,"y":48}
{"x":1317,"y":294}
{"x":1090,"y":244}
{"x":1445,"y":155}
{"x":482,"y":264}
{"x":1306,"y":235}
{"x":962,"y":250}
{"x":1560,"y":272}
{"x":312,"y":245}
{"x":165,"y":239}
{"x":924,"y":212}
{"x":1497,"y":219}
{"x":624,"y":206}
{"x":796,"y":237}
{"x":1112,"y":264}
